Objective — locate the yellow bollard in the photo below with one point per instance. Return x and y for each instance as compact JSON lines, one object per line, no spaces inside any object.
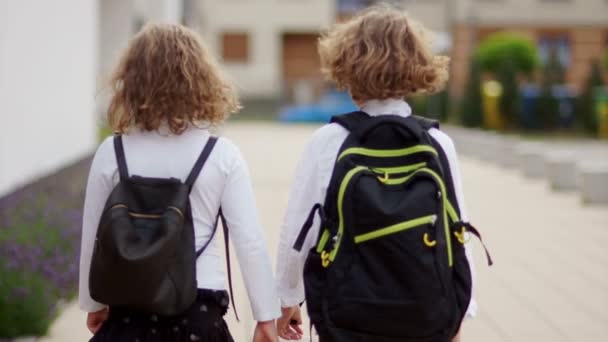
{"x":602,"y":112}
{"x":492,"y":91}
{"x":602,"y":116}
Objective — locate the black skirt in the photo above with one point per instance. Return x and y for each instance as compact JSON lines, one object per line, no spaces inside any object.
{"x":202,"y":322}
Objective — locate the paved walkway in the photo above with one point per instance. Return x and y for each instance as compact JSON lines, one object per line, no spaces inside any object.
{"x":550,"y":280}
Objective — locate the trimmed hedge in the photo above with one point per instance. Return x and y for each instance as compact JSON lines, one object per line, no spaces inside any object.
{"x":40,"y":229}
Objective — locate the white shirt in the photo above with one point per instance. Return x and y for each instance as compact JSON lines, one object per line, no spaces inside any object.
{"x":311,"y":181}
{"x":223,"y":181}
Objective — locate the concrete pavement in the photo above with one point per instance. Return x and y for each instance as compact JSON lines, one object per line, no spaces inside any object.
{"x":550,"y":278}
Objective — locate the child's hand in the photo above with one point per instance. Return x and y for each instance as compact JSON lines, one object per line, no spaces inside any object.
{"x":96,"y":319}
{"x":265,"y":332}
{"x":289,"y":323}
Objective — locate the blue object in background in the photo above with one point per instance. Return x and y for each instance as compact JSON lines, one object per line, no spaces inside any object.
{"x":565,"y":99}
{"x":530,"y":95}
{"x":332,"y":103}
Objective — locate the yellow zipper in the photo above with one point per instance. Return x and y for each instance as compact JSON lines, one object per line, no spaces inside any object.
{"x":396,"y":228}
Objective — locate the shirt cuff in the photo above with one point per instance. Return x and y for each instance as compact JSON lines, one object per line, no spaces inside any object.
{"x":90,"y":305}
{"x":472,"y":309}
{"x":267,"y":315}
{"x":293,"y":298}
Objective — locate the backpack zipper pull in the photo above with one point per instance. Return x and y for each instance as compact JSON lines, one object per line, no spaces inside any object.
{"x":325,"y":259}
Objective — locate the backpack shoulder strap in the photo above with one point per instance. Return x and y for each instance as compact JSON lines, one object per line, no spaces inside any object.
{"x":350,"y":120}
{"x":220,"y":218}
{"x":426,"y":123}
{"x":228,"y":267}
{"x":119,"y":150}
{"x":447,"y":173}
{"x":200,"y":162}
{"x":429,"y":124}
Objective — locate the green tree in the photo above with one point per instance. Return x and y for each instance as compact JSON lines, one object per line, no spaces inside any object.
{"x":500,"y":47}
{"x":585,"y":109}
{"x":471,"y":112}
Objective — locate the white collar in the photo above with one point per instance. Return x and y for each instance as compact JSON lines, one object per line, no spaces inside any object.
{"x":391,"y":106}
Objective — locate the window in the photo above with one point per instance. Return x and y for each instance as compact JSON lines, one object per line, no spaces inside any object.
{"x":555,"y":44}
{"x":235,"y":47}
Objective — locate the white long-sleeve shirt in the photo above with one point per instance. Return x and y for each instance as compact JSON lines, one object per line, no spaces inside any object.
{"x":223,"y":181}
{"x":312,"y":179}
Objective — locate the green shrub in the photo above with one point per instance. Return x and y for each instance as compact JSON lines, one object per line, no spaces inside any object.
{"x":585,"y":109}
{"x":606,"y":59}
{"x":553,"y":74}
{"x":499,"y":47}
{"x":104,"y":132}
{"x":471,"y":111}
{"x":25,"y":304}
{"x":438,"y":106}
{"x":510,"y":98}
{"x":433,"y":106}
{"x":418,"y":104}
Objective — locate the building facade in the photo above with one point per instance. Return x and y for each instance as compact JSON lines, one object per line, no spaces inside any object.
{"x":266,"y":46}
{"x":576,"y":29}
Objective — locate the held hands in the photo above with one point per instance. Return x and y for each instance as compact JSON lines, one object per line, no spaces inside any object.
{"x":96,"y":319}
{"x":289,"y":325}
{"x":265,"y":332}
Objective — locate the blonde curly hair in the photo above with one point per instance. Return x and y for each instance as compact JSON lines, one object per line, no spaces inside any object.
{"x":166,"y":76}
{"x":381,"y":53}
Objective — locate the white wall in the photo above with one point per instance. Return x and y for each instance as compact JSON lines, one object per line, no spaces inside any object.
{"x":265,"y":21}
{"x":48,"y":54}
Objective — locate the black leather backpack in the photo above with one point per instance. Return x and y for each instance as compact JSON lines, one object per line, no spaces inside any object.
{"x":144,"y":256}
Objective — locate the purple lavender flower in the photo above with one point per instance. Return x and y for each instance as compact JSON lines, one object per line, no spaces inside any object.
{"x":40,"y":227}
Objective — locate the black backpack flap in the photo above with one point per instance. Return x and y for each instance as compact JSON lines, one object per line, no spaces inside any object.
{"x":139,"y":260}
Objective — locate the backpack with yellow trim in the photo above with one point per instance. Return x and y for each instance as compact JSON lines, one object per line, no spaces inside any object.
{"x":389,"y":264}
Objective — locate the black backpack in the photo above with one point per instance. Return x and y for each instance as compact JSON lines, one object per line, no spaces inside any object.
{"x":389,"y":264}
{"x":144,"y":257}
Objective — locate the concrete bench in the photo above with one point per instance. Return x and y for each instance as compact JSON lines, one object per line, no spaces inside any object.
{"x":506,"y":151}
{"x":561,"y":169}
{"x":482,"y":145}
{"x":594,"y":182}
{"x":488,"y":147}
{"x":530,"y":159}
